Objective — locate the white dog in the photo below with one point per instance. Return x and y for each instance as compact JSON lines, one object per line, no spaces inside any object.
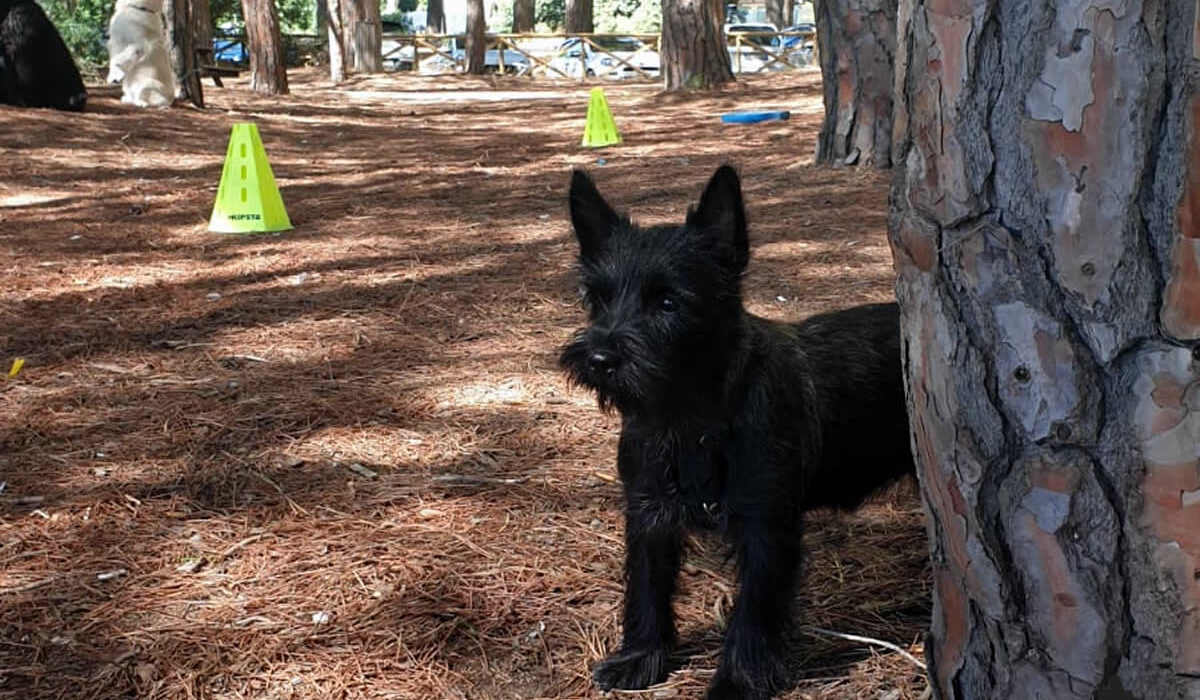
{"x":137,"y":54}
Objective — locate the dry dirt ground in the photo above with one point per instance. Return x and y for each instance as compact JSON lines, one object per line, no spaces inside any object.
{"x":340,"y":462}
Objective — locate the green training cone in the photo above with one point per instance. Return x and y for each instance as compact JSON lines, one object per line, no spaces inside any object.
{"x":247,"y":200}
{"x":600,"y":130}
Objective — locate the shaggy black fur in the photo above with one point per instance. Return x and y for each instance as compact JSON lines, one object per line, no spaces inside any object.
{"x":729,"y":421}
{"x":36,"y":69}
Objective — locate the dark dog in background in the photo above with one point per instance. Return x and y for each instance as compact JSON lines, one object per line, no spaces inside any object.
{"x":36,"y":68}
{"x":730,"y":422}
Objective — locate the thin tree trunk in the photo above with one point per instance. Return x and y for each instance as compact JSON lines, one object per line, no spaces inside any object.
{"x":579,"y":18}
{"x":182,"y":52}
{"x":694,"y":53}
{"x":789,"y":13}
{"x":476,"y":47}
{"x":857,"y":39}
{"x":268,"y":74}
{"x":1046,"y":236}
{"x":523,"y":15}
{"x":337,"y":42}
{"x":435,"y":17}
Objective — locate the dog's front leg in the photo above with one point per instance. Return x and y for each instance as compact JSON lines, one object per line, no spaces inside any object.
{"x":753,"y":660}
{"x":653,"y":545}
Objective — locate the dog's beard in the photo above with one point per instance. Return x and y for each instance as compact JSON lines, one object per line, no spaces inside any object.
{"x":636,"y":385}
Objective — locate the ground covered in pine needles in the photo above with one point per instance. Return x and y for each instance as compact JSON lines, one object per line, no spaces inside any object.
{"x":340,"y":462}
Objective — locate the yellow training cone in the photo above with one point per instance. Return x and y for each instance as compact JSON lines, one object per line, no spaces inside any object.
{"x":600,"y":130}
{"x":247,"y":200}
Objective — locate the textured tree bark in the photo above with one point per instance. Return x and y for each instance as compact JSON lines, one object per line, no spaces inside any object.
{"x":694,"y":55}
{"x":337,"y":41}
{"x":1045,"y":227}
{"x":857,"y":40}
{"x":435,"y":17}
{"x":579,"y":19}
{"x":476,"y":47}
{"x":365,"y":38}
{"x":776,"y":13}
{"x":200,"y":14}
{"x":268,"y":74}
{"x":523,"y":16}
{"x":322,"y":17}
{"x":351,"y":15}
{"x":183,"y":52}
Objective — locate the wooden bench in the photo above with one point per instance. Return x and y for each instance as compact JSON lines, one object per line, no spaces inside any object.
{"x":207,"y":64}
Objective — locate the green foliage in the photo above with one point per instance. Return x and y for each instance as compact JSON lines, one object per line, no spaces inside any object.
{"x":611,"y":16}
{"x":83,"y":31}
{"x":628,"y":16}
{"x":295,"y":16}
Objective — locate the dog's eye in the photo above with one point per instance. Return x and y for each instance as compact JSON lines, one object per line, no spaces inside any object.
{"x":668,"y":303}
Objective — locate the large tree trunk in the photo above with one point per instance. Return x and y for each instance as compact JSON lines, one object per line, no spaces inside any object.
{"x":183,"y":51}
{"x":200,"y":12}
{"x":322,"y":17}
{"x":268,"y":74}
{"x":776,"y":12}
{"x":337,"y":41}
{"x":363,"y":35}
{"x":476,"y":48}
{"x":435,"y":17}
{"x":579,"y":18}
{"x":1046,"y":234}
{"x":523,"y":14}
{"x":694,"y":54}
{"x":857,"y":40}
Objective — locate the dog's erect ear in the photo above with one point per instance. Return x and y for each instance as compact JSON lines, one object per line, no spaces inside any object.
{"x":591,"y":216}
{"x":722,"y":215}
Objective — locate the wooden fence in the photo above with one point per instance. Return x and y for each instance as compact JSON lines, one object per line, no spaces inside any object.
{"x":564,"y":56}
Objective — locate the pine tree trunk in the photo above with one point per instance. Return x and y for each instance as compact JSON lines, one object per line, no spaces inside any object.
{"x":200,"y":13}
{"x":1046,"y":234}
{"x":268,"y":74}
{"x":182,"y":52}
{"x":435,"y":17}
{"x":857,"y":40}
{"x":337,"y":41}
{"x":351,"y":15}
{"x":523,"y":14}
{"x":322,"y":17}
{"x":366,"y":30}
{"x":579,"y":18}
{"x":775,"y":13}
{"x":476,"y":48}
{"x":694,"y":54}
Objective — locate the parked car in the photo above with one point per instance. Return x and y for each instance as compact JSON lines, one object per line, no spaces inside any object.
{"x":515,"y":62}
{"x":761,"y":33}
{"x":622,"y":57}
{"x":799,"y":43}
{"x":392,"y":49}
{"x":230,"y":50}
{"x":745,"y":54}
{"x":796,"y":35}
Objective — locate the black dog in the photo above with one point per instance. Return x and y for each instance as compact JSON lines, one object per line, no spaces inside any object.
{"x":36,"y":68}
{"x":729,"y":421}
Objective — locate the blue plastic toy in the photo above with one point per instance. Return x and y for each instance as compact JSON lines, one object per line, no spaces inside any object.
{"x":754,"y":117}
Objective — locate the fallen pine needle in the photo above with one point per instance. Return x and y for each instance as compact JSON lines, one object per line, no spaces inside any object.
{"x":865,"y":640}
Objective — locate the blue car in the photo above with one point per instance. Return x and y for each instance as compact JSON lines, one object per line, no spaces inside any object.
{"x":227,"y":50}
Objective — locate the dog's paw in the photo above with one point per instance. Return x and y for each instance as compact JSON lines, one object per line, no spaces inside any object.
{"x":725,"y":688}
{"x":632,"y":669}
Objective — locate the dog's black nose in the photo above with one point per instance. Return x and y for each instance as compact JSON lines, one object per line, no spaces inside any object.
{"x":602,"y":362}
